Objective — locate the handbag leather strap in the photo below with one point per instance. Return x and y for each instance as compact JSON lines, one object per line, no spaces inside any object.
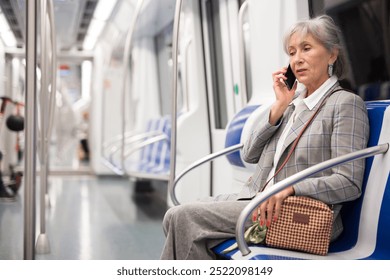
{"x":295,"y":143}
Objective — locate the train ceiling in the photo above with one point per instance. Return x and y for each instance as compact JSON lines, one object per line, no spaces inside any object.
{"x":73,"y":17}
{"x":72,"y":20}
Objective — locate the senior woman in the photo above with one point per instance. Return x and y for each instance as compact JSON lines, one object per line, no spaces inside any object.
{"x":340,"y":127}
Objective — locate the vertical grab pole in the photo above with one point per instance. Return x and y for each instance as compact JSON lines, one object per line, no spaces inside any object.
{"x":30,"y":130}
{"x":53,"y":91}
{"x":125,"y":63}
{"x":43,"y":244}
{"x":241,"y":44}
{"x":175,"y":51}
{"x":53,"y":88}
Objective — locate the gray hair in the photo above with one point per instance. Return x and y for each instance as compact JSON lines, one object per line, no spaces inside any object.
{"x":323,"y":29}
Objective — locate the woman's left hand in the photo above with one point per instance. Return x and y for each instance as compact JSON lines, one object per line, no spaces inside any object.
{"x":269,"y":210}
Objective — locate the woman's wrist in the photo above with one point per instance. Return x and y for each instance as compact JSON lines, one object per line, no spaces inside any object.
{"x":276,"y":113}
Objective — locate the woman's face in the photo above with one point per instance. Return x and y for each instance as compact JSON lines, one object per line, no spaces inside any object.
{"x":309,"y":60}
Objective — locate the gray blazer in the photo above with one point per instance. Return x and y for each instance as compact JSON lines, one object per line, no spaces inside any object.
{"x":340,"y":127}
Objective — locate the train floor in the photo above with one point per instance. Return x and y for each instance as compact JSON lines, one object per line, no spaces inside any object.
{"x":91,"y":218}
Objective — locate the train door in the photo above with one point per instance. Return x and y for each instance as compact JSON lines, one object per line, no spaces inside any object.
{"x":193,"y":134}
{"x":226,"y":97}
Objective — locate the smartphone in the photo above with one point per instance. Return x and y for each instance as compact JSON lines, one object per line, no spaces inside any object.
{"x":290,"y":78}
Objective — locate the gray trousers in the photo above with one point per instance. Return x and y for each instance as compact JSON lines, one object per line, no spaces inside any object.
{"x":193,"y":229}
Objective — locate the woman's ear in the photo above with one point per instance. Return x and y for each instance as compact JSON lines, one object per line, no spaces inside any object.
{"x":333,"y":56}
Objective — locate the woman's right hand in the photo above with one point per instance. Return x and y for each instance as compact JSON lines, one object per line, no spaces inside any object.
{"x":269,"y":210}
{"x":283,"y":95}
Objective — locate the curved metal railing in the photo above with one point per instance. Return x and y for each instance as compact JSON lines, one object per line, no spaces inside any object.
{"x":241,"y":44}
{"x":131,"y":140}
{"x":126,"y":55}
{"x":175,"y":52}
{"x":197,"y":163}
{"x":255,"y":202}
{"x":114,"y":141}
{"x":134,"y":143}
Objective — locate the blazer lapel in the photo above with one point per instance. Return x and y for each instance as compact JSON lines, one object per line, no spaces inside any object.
{"x":297,"y":126}
{"x":302,"y":119}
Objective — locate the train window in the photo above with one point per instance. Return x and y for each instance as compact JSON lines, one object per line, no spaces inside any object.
{"x":365,"y":27}
{"x":164,"y":58}
{"x":216,"y":63}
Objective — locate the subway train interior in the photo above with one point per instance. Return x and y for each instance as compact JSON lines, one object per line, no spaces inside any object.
{"x":113,"y":111}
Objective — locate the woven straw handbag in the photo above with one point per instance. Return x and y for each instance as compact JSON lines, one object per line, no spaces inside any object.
{"x":304,"y":224}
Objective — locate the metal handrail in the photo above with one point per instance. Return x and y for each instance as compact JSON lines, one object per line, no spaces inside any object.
{"x":261,"y":197}
{"x":42,"y":129}
{"x":241,"y":45}
{"x":145,"y":143}
{"x":42,"y":7}
{"x":113,"y":167}
{"x":130,"y":140}
{"x":175,"y":41}
{"x":199,"y":162}
{"x":117,"y":139}
{"x":155,"y":137}
{"x":30,"y":131}
{"x":47,"y":113}
{"x":52,"y":102}
{"x":126,"y":55}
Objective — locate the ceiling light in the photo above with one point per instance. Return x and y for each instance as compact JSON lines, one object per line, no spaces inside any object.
{"x":102,"y":13}
{"x":104,"y":9}
{"x":95,"y":28}
{"x":5,"y":32}
{"x":89,"y":42}
{"x":8,"y":38}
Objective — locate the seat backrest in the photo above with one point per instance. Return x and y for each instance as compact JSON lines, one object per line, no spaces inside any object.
{"x":369,"y":92}
{"x":234,"y":132}
{"x":166,"y":158}
{"x":146,"y":152}
{"x":160,"y":162}
{"x":239,"y":129}
{"x":351,"y":211}
{"x":385,"y":91}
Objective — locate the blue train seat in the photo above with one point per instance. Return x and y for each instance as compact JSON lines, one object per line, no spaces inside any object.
{"x":385,"y":91}
{"x":146,"y":152}
{"x":366,"y":220}
{"x":370,"y":92}
{"x":375,"y":91}
{"x":155,"y":157}
{"x":154,"y":152}
{"x":234,"y":133}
